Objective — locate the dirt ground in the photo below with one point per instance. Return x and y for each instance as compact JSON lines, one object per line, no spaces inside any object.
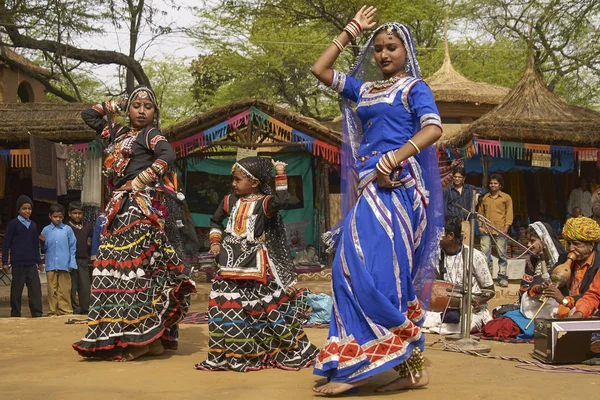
{"x":37,"y":361}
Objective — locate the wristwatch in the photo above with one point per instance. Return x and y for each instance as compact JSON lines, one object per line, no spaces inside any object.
{"x":565,"y":301}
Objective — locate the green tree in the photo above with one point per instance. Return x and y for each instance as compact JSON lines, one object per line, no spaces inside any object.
{"x":52,"y":28}
{"x":565,"y":35}
{"x":172,"y":83}
{"x":265,"y":49}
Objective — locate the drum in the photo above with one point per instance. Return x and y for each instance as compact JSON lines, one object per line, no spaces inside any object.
{"x":442,"y":297}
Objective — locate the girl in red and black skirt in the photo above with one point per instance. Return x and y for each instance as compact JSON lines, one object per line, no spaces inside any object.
{"x":140,"y":284}
{"x":253,"y":317}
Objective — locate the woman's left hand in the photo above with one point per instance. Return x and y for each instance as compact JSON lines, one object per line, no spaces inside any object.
{"x":384,"y":181}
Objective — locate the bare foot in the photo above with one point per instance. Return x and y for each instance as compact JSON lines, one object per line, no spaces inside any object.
{"x":132,"y":352}
{"x":156,"y":348}
{"x":405,"y":383}
{"x":335,"y":388}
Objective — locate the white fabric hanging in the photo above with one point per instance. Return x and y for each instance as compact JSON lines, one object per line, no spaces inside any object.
{"x":92,"y":181}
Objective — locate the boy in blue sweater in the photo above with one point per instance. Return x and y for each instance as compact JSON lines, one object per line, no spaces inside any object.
{"x":59,"y":243}
{"x":22,"y":248}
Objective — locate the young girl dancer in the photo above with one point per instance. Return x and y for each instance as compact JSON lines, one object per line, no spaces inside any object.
{"x":251,"y":314}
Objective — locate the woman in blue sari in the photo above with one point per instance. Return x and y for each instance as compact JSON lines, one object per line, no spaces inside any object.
{"x":387,"y":242}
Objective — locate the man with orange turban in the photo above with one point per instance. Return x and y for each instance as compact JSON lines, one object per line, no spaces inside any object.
{"x":582,"y":234}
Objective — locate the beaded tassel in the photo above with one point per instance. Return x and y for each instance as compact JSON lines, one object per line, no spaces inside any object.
{"x":412,"y":366}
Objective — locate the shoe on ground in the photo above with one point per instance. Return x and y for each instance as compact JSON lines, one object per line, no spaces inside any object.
{"x":503,"y":283}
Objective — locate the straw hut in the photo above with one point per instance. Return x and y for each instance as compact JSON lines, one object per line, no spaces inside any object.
{"x":57,"y":122}
{"x":460,"y":100}
{"x":208,"y":144}
{"x":539,"y":142}
{"x":533,"y":114}
{"x":214,"y":116}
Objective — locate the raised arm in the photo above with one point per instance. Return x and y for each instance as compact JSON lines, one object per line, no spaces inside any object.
{"x":280,"y":199}
{"x":94,"y":116}
{"x":322,"y":69}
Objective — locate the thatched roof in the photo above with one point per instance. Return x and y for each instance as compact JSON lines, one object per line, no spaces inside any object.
{"x":217,"y":115}
{"x":58,"y":122}
{"x":531,"y":113}
{"x":7,"y":55}
{"x":448,"y":85}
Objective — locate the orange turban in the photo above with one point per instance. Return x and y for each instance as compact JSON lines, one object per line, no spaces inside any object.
{"x":582,"y":229}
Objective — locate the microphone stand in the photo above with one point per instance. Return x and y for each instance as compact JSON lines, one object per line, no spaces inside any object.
{"x":464,"y":341}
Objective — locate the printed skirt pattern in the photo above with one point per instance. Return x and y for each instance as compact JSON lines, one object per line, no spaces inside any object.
{"x":139,"y":291}
{"x":376,"y":315}
{"x":255,"y":326}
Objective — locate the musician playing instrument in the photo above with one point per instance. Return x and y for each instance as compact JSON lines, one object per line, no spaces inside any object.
{"x":450,"y":269}
{"x":581,"y":235}
{"x":589,"y":236}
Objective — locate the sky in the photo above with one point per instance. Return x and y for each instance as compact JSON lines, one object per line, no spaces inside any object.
{"x":175,"y":45}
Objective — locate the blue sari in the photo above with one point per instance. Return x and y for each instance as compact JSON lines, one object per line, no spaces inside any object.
{"x":388,"y":242}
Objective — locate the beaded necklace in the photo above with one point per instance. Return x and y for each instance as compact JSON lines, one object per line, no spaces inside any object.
{"x":386,"y":83}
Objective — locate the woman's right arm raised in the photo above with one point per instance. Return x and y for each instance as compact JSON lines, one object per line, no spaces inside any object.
{"x":322,"y":69}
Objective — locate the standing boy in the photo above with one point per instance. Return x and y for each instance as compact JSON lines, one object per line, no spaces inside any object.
{"x":59,"y":243}
{"x":22,"y":246}
{"x":81,"y":283}
{"x":497,"y":207}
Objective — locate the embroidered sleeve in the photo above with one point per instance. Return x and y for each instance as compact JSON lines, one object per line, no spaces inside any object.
{"x":94,"y":118}
{"x":165,"y":155}
{"x":345,"y":85}
{"x":216,"y":221}
{"x":273,"y":204}
{"x":422,"y":105}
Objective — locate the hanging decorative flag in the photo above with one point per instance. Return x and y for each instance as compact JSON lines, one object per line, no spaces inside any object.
{"x":5,"y":155}
{"x":489,"y":147}
{"x":305,"y":140}
{"x":239,"y":120}
{"x":216,"y":132}
{"x":586,"y":154}
{"x":82,"y":147}
{"x":512,"y":150}
{"x":20,"y":158}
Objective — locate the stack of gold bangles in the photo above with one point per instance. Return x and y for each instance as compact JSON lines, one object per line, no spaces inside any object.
{"x":144,"y":178}
{"x":353,"y":29}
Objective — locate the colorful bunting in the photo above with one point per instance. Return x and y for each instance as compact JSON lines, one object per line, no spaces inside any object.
{"x":279,"y":130}
{"x":540,"y":155}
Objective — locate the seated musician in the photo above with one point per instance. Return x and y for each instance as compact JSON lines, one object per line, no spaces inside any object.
{"x":450,"y":269}
{"x":581,"y":235}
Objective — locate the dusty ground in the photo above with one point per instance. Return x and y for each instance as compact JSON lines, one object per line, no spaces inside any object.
{"x":36,"y":361}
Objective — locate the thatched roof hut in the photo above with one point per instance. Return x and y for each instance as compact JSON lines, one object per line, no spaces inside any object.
{"x":531,"y":113}
{"x":57,"y":122}
{"x":459,"y":99}
{"x":217,"y":115}
{"x":450,"y":86}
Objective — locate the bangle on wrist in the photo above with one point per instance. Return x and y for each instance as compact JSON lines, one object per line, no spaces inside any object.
{"x":338,"y":44}
{"x":353,"y":29}
{"x":414,"y":145}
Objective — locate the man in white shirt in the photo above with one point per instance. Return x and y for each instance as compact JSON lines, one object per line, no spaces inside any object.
{"x":582,"y":198}
{"x":450,"y":269}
